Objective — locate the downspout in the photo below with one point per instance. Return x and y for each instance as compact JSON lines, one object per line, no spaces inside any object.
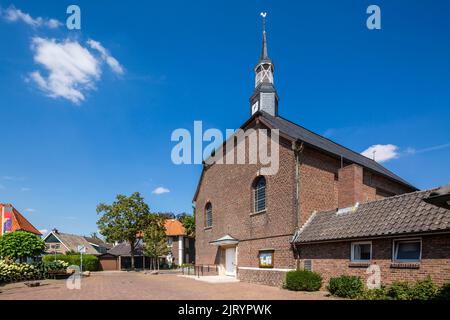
{"x":297,"y":147}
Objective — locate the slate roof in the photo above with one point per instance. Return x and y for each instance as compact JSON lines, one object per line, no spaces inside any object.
{"x":313,"y":139}
{"x":297,"y":132}
{"x":398,"y":215}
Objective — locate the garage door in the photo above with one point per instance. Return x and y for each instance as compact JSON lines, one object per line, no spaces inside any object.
{"x":108,"y":263}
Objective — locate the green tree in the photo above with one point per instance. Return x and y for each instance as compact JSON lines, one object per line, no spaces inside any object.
{"x":20,"y":245}
{"x":155,"y":239}
{"x":188,"y":224}
{"x":124,"y":219}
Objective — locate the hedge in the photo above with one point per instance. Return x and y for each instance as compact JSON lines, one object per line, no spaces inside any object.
{"x":90,"y":262}
{"x":303,"y":280}
{"x":353,"y":287}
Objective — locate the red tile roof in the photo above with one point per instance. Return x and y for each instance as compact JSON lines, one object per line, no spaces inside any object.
{"x":19,"y":222}
{"x":174,"y":228}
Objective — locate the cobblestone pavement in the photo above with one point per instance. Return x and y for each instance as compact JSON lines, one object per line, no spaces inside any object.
{"x":138,"y":285}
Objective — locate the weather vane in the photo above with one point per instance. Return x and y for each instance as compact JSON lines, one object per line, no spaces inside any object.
{"x":264,"y":15}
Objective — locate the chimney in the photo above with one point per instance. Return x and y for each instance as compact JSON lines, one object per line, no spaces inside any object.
{"x":55,"y":230}
{"x":350,"y":186}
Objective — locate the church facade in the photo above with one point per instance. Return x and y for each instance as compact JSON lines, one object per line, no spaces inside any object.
{"x":246,"y":222}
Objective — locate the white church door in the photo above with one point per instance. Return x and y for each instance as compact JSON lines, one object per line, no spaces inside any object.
{"x":230,"y":261}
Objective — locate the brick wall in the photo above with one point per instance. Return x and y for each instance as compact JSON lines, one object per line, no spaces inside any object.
{"x":267,"y":277}
{"x":229,"y":189}
{"x":333,"y":260}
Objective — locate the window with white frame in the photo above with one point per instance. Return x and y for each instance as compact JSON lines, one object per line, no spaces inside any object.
{"x":361,"y":251}
{"x":208,"y":215}
{"x":259,"y":194}
{"x":170,"y":241}
{"x":407,"y":250}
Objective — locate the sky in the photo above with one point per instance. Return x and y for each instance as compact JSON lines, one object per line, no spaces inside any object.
{"x":88,"y":114}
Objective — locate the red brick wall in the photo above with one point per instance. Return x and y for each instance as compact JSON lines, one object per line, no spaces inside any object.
{"x":333,"y":260}
{"x":229,"y":189}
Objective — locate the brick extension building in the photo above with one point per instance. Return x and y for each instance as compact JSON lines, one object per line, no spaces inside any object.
{"x":246,"y":223}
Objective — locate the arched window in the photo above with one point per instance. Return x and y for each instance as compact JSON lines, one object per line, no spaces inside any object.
{"x":259,"y":194}
{"x":208,"y":215}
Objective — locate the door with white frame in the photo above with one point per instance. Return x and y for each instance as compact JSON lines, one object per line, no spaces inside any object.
{"x":230,"y":261}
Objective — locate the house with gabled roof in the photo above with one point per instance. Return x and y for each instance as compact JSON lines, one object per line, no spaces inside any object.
{"x":60,"y":243}
{"x":12,"y":220}
{"x":181,"y":245}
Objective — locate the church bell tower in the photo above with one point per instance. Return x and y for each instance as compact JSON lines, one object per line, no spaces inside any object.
{"x":264,"y":96}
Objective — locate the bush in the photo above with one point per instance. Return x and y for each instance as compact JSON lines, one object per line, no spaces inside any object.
{"x":90,"y":262}
{"x":374,"y":294}
{"x":420,"y":290}
{"x":12,"y":272}
{"x":444,"y":292}
{"x":303,"y":280}
{"x":424,"y":290}
{"x":346,"y":287}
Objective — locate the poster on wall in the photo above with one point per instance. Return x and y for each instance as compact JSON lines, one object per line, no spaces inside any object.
{"x":266,"y":259}
{"x":6,"y":219}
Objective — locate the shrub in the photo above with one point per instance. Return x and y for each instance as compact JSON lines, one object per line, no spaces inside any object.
{"x":400,"y":290}
{"x":90,"y":262}
{"x":12,"y":272}
{"x":20,"y":245}
{"x":374,"y":294}
{"x":424,"y":290}
{"x":444,"y":292}
{"x":303,"y":280}
{"x":346,"y":287}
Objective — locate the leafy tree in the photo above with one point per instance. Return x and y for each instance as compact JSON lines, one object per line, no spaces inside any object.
{"x":155,"y":240}
{"x":20,"y":245}
{"x":188,"y":222}
{"x":124,"y":219}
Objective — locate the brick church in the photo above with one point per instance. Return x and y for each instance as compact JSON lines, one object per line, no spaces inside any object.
{"x":328,"y":209}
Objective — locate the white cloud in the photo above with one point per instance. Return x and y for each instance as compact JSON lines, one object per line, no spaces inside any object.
{"x":72,"y":69}
{"x":30,"y":210}
{"x":110,"y":60}
{"x":14,"y":15}
{"x":381,"y":152}
{"x":13,"y":178}
{"x":43,"y":231}
{"x":160,"y":190}
{"x":25,"y":189}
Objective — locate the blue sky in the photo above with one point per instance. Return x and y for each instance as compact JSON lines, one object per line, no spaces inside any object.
{"x":165,"y":64}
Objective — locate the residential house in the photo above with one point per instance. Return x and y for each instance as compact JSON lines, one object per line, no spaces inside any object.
{"x":60,"y":243}
{"x":182,"y":250}
{"x":12,"y":220}
{"x":246,"y":221}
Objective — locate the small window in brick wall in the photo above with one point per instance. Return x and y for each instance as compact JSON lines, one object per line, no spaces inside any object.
{"x":307,"y":264}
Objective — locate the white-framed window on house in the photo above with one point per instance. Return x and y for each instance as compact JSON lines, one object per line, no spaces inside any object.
{"x":407,"y":250}
{"x":169,"y":241}
{"x":361,"y":251}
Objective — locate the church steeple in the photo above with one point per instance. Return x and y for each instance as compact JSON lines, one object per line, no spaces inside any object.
{"x":264,"y":96}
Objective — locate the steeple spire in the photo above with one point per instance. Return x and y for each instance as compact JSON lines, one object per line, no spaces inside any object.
{"x":264,"y":96}
{"x":264,"y":55}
